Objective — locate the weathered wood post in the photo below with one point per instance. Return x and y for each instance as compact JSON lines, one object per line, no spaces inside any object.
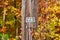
{"x":23,"y":20}
{"x":29,"y":18}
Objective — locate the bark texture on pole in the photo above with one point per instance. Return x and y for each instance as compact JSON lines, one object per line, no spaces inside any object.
{"x":23,"y":20}
{"x":29,"y":9}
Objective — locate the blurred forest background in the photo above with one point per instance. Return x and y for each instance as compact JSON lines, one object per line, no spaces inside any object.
{"x":48,"y":20}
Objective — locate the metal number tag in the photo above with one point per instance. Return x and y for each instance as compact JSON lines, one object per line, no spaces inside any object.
{"x":30,"y":19}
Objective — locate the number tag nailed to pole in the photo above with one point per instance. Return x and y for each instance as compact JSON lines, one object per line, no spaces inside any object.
{"x":30,"y":19}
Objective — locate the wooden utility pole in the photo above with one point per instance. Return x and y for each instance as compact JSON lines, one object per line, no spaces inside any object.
{"x":23,"y":20}
{"x":29,"y":18}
